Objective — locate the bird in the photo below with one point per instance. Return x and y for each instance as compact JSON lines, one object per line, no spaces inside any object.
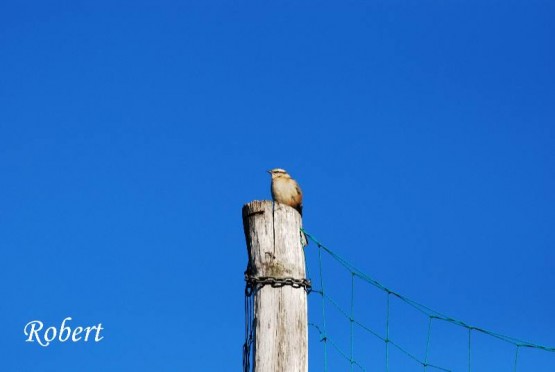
{"x":286,"y":190}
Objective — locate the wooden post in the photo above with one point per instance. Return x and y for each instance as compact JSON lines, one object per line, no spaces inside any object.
{"x":272,"y":231}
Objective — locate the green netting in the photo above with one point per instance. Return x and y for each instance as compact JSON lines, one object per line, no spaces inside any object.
{"x":433,"y":316}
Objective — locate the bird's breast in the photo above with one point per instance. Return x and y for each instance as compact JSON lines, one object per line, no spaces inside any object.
{"x":286,"y":192}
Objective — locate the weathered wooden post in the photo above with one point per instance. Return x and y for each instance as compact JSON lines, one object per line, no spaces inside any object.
{"x":276,"y":278}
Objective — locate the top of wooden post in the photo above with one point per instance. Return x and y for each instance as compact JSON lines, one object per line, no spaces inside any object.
{"x":261,"y":205}
{"x":274,"y":230}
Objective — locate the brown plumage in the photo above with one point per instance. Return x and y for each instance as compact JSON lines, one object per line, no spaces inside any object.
{"x":286,"y":190}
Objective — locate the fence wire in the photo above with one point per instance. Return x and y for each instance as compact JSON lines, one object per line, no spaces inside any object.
{"x":433,"y":316}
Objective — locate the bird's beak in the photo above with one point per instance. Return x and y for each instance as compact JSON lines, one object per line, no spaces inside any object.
{"x":269,"y":171}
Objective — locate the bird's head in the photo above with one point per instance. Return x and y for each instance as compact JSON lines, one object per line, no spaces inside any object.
{"x":278,"y":172}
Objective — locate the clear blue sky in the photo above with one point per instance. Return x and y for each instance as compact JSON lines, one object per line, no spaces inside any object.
{"x":131,"y":134}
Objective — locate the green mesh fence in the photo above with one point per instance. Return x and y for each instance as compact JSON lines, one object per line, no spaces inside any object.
{"x":421,"y":361}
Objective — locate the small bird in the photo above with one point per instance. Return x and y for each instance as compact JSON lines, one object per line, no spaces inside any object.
{"x":286,"y":190}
